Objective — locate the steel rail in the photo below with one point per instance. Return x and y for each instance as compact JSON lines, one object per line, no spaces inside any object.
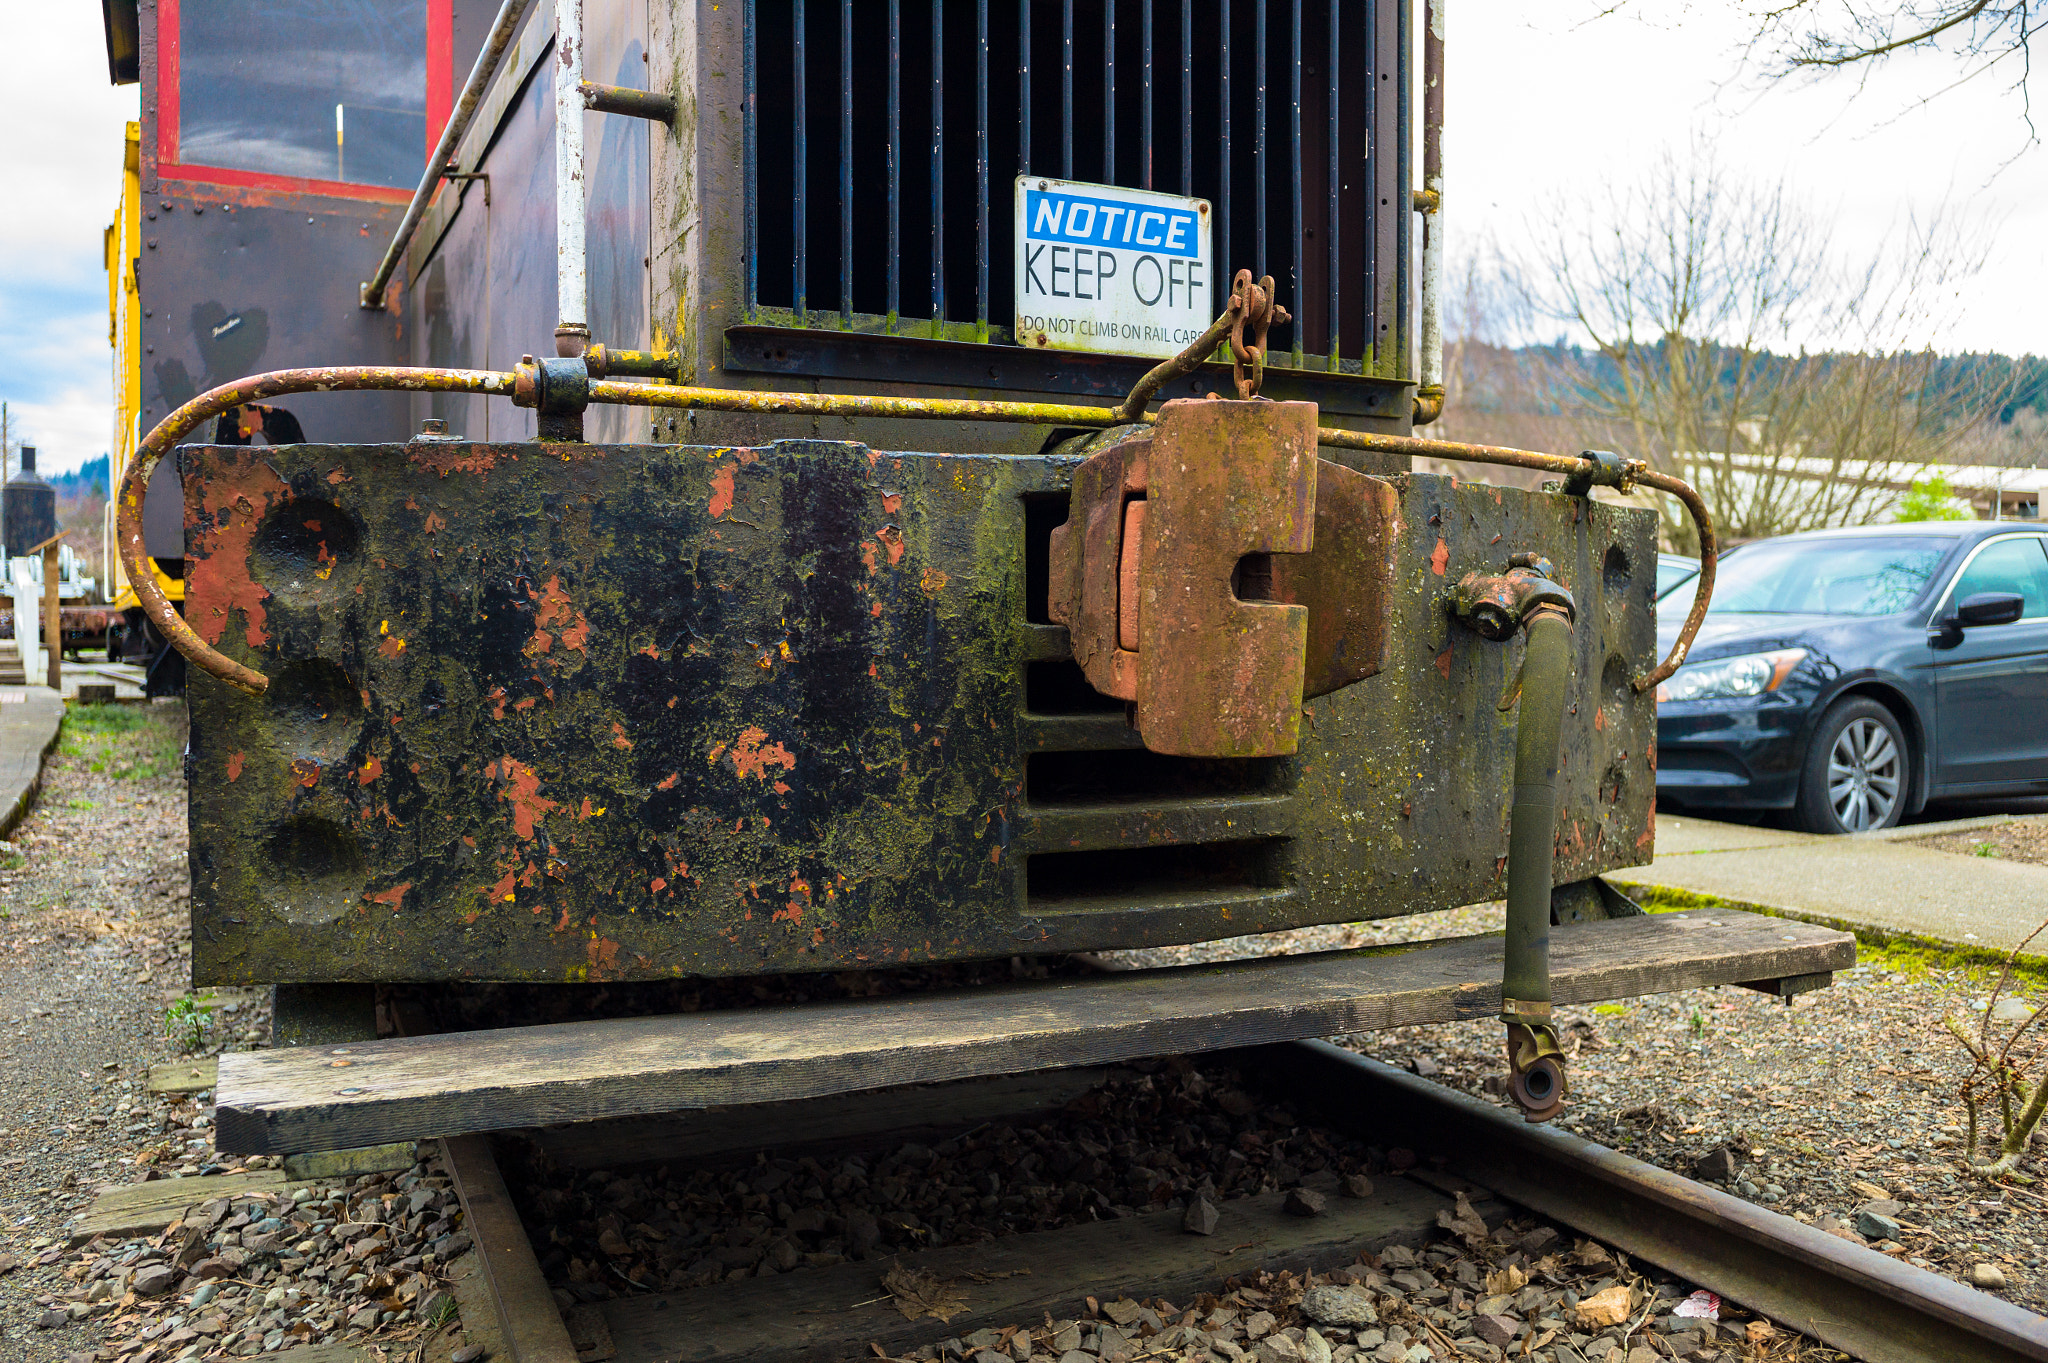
{"x":1849,"y":1297}
{"x":134,"y":488}
{"x":502,"y":30}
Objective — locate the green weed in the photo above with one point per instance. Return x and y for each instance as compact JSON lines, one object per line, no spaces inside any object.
{"x":1985,"y":849}
{"x":187,"y":1020}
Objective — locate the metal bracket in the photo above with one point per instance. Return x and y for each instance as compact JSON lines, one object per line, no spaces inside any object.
{"x":1609,"y":470}
{"x":1215,"y":573}
{"x":558,"y":389}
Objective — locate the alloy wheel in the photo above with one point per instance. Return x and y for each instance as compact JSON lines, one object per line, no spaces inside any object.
{"x":1865,"y":771}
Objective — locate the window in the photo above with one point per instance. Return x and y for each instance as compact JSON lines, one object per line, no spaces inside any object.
{"x":1859,"y":576}
{"x":304,"y":90}
{"x":2014,"y":565}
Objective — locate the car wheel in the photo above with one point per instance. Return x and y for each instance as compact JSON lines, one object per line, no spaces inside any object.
{"x":1857,"y":770}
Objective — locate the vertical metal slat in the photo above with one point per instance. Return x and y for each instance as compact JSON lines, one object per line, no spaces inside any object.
{"x":800,"y":267}
{"x":1226,"y":269}
{"x":982,"y":170}
{"x":1066,"y":89}
{"x":1023,"y":87}
{"x":1294,"y":180}
{"x":1404,"y":188}
{"x":1109,"y":93}
{"x":1259,"y":176}
{"x":1187,"y":97}
{"x":1147,"y":152}
{"x":895,"y":300}
{"x":1330,"y":247}
{"x":846,"y":164}
{"x":749,"y":137}
{"x":1371,"y":355}
{"x":938,"y":168}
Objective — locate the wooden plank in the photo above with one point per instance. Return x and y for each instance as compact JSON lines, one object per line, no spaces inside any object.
{"x":529,"y":1322}
{"x":131,"y":1209}
{"x":811,"y":1316}
{"x":413,"y":1087}
{"x":934,"y":1111}
{"x":183,"y":1076}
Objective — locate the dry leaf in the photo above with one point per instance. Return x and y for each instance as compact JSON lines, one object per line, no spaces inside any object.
{"x":1870,"y":1191}
{"x":1509,"y":1280}
{"x":1463,"y":1220}
{"x":919,"y":1292}
{"x":1761,"y":1331}
{"x":1605,"y":1308}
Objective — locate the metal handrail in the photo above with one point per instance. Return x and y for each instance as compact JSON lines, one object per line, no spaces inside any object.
{"x":502,"y":31}
{"x":135,"y":484}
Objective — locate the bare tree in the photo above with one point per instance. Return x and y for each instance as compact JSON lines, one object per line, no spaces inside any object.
{"x":1834,"y":35}
{"x":1726,"y":336}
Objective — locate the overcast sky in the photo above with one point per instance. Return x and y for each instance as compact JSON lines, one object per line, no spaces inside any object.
{"x":1541,"y":98}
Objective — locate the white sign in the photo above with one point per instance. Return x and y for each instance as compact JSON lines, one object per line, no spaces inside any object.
{"x":1110,"y":269}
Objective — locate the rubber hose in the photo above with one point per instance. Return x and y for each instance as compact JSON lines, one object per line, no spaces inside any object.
{"x":1532,"y":826}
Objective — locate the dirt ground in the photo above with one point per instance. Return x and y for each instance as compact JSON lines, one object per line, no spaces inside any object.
{"x":2021,"y":840}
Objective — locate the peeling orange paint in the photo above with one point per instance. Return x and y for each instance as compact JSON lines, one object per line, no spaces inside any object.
{"x":435,"y":521}
{"x":752,"y":757}
{"x":370,"y":770}
{"x":502,"y":891}
{"x":933,"y":582}
{"x":392,"y":897}
{"x":669,"y":782}
{"x":892,"y":502}
{"x":619,"y":739}
{"x":1443,"y":663}
{"x":305,"y":771}
{"x":391,"y":646}
{"x":892,"y":540}
{"x":1440,"y":557}
{"x":234,"y":766}
{"x":657,"y":885}
{"x":721,"y":490}
{"x":223,"y":525}
{"x":604,"y":957}
{"x":522,"y":791}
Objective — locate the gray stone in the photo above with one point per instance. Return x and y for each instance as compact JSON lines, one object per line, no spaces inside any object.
{"x":1305,"y":1202}
{"x":1201,"y":1216}
{"x":1716,"y":1166}
{"x":1258,"y":1323}
{"x":1356,"y":1185}
{"x":1499,"y":1331}
{"x":1314,"y":1348}
{"x":1986,"y":1276}
{"x":1537,"y":1242}
{"x":468,"y":1353}
{"x":1884,"y":1206}
{"x":1347,"y":1307}
{"x":1871,"y":1226}
{"x":1278,"y":1349}
{"x":154,"y":1281}
{"x":1076,"y":1356}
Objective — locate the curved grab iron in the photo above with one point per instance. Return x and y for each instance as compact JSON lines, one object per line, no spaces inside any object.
{"x":134,"y":488}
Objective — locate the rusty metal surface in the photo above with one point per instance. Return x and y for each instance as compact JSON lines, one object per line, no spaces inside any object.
{"x":1219,"y":671}
{"x":1346,"y":581}
{"x":469,"y":766}
{"x":1855,"y":1299}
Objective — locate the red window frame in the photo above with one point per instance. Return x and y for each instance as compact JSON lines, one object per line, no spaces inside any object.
{"x":440,"y":98}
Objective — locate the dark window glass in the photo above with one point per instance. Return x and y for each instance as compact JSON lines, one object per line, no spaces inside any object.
{"x":1877,"y":576}
{"x":323,"y":89}
{"x":2017,"y":566}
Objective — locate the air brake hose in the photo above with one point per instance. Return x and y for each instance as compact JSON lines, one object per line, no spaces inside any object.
{"x":1536,"y":1064}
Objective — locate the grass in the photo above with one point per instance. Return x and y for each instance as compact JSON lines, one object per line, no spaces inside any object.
{"x":129,"y":742}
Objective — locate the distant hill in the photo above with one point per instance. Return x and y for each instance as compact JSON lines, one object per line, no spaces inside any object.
{"x":87,"y":480}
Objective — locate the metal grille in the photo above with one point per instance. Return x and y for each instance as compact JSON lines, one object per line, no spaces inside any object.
{"x":1271,"y":109}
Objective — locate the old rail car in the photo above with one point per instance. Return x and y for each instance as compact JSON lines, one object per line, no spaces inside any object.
{"x":831,"y":595}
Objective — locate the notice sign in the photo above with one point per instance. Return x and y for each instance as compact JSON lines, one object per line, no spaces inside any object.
{"x":1103,"y":268}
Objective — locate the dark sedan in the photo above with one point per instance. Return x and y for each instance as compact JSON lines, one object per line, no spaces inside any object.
{"x":1852,"y":675}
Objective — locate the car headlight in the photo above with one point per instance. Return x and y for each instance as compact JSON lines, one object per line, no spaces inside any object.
{"x":1752,"y":674}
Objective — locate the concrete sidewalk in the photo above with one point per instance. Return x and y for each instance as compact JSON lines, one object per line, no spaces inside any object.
{"x":1869,"y":880}
{"x":29,"y":719}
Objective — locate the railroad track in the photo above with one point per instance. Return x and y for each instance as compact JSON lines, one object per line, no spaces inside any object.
{"x":1854,"y":1299}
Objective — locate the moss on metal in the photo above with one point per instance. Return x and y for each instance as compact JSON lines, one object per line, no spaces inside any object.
{"x":581,"y":713}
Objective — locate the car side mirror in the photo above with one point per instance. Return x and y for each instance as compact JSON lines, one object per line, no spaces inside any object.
{"x":1990,"y":608}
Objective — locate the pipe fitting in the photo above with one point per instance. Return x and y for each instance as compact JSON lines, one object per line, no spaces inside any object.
{"x":1429,"y":404}
{"x":1495,"y":605}
{"x":558,"y":390}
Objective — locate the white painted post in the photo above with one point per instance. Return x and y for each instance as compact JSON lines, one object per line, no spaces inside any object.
{"x":28,"y":601}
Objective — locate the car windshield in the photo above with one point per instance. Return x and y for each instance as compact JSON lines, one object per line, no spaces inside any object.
{"x":1672,"y":571}
{"x":1876,"y":576}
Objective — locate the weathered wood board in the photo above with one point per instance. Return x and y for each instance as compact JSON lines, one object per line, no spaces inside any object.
{"x":415,"y":1087}
{"x":146,"y":1208}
